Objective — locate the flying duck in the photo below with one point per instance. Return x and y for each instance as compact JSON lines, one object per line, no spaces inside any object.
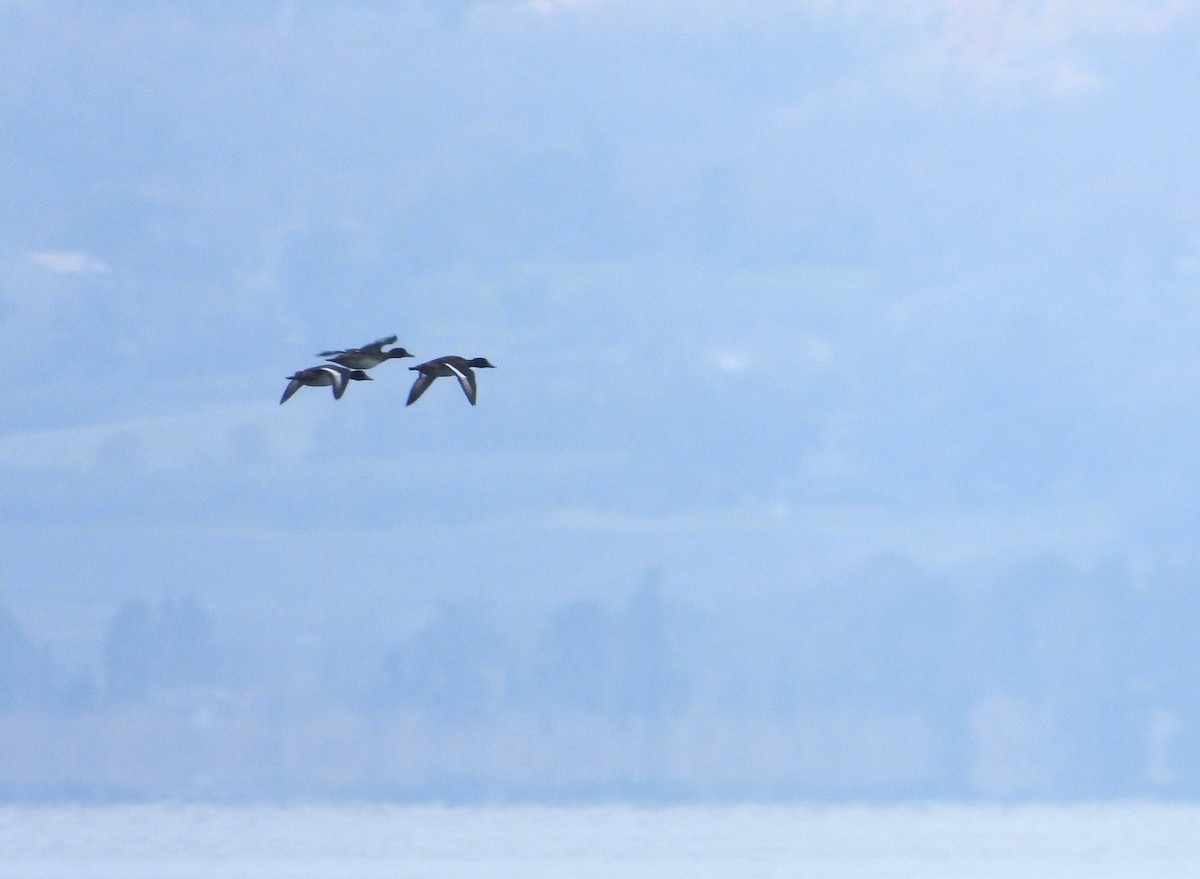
{"x":365,"y":357}
{"x":336,"y":377}
{"x":459,"y":367}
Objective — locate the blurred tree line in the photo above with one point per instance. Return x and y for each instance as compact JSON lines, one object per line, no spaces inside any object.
{"x":1042,"y":679}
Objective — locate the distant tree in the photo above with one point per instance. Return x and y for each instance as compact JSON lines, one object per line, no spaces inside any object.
{"x":617,"y":662}
{"x":28,"y":675}
{"x":152,"y":647}
{"x":884,"y":633}
{"x":457,"y":665}
{"x":645,"y":684}
{"x":572,"y":666}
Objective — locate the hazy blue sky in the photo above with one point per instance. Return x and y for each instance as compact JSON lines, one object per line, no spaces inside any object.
{"x":771,"y":287}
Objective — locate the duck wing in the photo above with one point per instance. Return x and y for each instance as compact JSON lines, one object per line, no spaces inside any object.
{"x":466,"y":378}
{"x":424,"y":380}
{"x":375,"y":347}
{"x":293,"y":386}
{"x":338,"y":379}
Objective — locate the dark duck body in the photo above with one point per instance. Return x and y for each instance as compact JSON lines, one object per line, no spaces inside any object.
{"x":459,"y":367}
{"x":335,"y":377}
{"x":367,"y":356}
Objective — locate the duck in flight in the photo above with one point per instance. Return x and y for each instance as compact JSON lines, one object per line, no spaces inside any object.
{"x":365,"y":357}
{"x":334,"y":376}
{"x":459,"y":367}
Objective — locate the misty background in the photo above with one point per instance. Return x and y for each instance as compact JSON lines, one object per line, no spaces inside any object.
{"x":842,"y":440}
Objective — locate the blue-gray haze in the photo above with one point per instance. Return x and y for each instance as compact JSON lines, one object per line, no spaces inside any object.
{"x":842,"y":440}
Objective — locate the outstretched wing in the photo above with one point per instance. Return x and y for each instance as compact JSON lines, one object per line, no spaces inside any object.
{"x":466,"y":378}
{"x":338,"y":380}
{"x":293,"y":386}
{"x":419,"y":387}
{"x":375,"y":347}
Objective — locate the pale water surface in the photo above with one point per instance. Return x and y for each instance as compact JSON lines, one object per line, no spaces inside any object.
{"x":1141,"y":840}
